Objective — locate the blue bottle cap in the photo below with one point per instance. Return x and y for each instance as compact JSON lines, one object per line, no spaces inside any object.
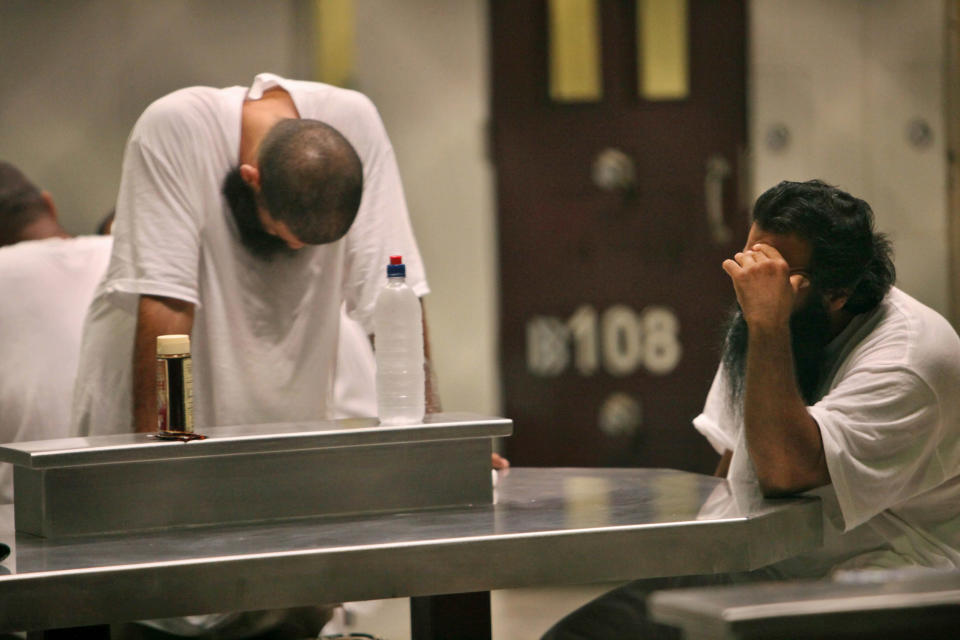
{"x":396,"y":268}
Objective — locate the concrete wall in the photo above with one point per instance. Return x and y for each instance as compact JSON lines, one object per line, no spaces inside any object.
{"x":845,"y":78}
{"x":424,"y":63}
{"x":850,"y":81}
{"x":76,"y":75}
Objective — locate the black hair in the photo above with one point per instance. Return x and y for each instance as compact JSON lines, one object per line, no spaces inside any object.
{"x":847,"y":253}
{"x":311,"y":179}
{"x":242,"y":201}
{"x":21,"y":203}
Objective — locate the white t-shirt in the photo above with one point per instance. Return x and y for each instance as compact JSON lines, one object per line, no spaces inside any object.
{"x":45,"y":289}
{"x":355,"y":388}
{"x":889,"y":417}
{"x":264,"y":336}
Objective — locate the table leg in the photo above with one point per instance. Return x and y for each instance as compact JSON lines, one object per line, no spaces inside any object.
{"x":465,"y":616}
{"x":95,"y":632}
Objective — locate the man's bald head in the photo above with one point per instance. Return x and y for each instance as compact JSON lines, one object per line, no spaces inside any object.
{"x":311,"y":178}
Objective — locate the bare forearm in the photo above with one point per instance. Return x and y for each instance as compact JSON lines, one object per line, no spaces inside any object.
{"x":782,"y":438}
{"x":431,"y":392}
{"x":156,"y":316}
{"x":723,"y":466}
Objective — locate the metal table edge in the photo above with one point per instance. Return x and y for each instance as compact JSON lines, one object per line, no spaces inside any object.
{"x":476,"y":427}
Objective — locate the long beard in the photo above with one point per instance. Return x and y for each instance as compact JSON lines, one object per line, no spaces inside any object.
{"x":243,"y":206}
{"x":809,"y":336}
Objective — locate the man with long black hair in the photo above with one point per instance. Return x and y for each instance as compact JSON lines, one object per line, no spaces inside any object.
{"x":831,"y":380}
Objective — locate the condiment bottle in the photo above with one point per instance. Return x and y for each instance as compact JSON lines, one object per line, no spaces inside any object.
{"x":174,"y":384}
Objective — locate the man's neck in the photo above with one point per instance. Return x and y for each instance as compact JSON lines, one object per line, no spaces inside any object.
{"x":42,"y":228}
{"x":259,"y":116}
{"x":839,"y":321}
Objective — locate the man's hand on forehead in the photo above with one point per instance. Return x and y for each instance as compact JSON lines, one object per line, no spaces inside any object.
{"x":765,"y":287}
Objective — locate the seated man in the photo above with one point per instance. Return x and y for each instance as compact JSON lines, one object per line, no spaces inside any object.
{"x":47,"y":280}
{"x":831,"y":380}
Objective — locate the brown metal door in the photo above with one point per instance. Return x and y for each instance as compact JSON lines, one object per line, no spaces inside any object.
{"x":612,"y":300}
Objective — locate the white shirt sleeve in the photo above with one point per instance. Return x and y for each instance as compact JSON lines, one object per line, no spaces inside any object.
{"x":157,"y":231}
{"x":880,"y":428}
{"x":715,"y":423}
{"x":382,"y":227}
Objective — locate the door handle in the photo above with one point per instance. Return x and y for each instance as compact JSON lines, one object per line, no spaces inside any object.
{"x":718,"y":170}
{"x":614,"y":170}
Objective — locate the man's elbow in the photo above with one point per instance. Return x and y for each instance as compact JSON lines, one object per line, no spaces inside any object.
{"x":773,"y":489}
{"x":783,"y":483}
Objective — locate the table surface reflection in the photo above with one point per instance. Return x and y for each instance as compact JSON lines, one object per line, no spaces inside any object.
{"x":546,"y":526}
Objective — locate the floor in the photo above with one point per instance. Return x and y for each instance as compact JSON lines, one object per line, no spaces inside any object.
{"x":518,"y":614}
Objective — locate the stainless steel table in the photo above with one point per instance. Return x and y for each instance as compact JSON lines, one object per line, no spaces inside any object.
{"x":892,"y":605}
{"x":245,"y":473}
{"x":546,"y":526}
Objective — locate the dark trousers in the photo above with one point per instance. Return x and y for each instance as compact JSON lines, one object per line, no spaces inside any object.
{"x":622,"y":612}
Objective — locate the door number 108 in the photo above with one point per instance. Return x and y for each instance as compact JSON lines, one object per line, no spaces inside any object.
{"x":619,"y":339}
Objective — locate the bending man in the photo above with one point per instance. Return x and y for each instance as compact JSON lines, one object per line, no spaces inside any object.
{"x":245,"y":217}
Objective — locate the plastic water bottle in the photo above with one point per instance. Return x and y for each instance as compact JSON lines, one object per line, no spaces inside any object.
{"x":398,"y":342}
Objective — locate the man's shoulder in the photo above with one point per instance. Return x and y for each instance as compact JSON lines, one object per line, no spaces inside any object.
{"x":46,"y":246}
{"x":326,"y":102}
{"x":184,"y":108}
{"x":93,"y":243}
{"x":329,"y":92}
{"x":921,"y":321}
{"x":182,"y":100}
{"x":29,"y":258}
{"x":911,"y":335}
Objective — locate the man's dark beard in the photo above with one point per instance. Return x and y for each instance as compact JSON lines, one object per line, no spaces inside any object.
{"x":243,"y":205}
{"x":809,"y":336}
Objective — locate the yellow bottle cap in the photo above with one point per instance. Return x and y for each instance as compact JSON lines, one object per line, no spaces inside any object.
{"x":173,"y":344}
